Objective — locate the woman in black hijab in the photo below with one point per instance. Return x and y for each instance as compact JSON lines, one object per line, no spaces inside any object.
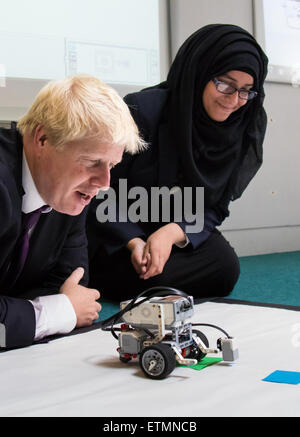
{"x":205,"y":127}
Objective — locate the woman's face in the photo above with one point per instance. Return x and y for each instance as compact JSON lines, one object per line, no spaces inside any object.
{"x":219,"y":106}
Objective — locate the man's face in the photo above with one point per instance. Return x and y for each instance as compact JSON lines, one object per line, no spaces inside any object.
{"x":67,"y":179}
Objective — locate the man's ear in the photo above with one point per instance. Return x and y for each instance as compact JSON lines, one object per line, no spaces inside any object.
{"x":40,"y":136}
{"x":43,"y":139}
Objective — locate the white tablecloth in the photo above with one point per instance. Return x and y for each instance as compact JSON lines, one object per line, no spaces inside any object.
{"x":81,"y":375}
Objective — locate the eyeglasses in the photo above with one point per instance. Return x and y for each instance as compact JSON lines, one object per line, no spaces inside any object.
{"x":225,"y":88}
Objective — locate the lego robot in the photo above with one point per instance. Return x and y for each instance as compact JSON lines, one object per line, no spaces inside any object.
{"x":158,"y":333}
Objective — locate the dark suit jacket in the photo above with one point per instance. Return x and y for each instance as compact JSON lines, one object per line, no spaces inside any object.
{"x":156,"y":167}
{"x":57,"y":246}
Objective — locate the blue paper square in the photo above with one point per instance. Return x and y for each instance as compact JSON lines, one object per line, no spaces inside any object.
{"x":283,"y":376}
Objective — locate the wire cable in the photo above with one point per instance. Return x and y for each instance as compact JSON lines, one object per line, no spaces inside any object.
{"x":212,"y":326}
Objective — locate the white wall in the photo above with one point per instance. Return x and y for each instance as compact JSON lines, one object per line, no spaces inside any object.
{"x":267,"y":217}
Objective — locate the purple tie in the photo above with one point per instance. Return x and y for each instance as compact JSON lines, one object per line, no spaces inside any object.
{"x":22,"y":246}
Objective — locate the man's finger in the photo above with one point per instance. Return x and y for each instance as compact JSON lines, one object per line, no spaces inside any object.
{"x":76,"y":275}
{"x":96,"y":294}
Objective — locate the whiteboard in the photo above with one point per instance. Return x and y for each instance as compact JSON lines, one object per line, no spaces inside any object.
{"x":121,"y":42}
{"x":277,"y":29}
{"x":116,"y":40}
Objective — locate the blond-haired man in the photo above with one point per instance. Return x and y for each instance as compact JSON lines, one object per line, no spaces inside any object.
{"x":51,"y":165}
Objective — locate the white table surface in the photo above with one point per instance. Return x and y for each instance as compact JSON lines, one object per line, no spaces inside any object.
{"x":81,"y":375}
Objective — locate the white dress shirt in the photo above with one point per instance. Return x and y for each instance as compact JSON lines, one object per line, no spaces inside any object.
{"x":54,"y":313}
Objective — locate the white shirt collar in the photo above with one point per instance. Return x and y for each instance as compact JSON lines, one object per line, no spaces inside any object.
{"x":31,"y":199}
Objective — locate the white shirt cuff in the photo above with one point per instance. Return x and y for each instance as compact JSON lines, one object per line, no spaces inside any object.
{"x":54,"y":314}
{"x":183,"y":244}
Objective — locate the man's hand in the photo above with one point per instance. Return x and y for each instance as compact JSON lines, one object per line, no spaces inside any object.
{"x":83,"y":299}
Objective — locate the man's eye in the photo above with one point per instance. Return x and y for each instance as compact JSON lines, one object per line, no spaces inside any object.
{"x":94,"y":163}
{"x":98,"y":163}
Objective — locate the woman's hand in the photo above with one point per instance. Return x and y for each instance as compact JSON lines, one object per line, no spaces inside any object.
{"x":136,"y":247}
{"x":158,"y":248}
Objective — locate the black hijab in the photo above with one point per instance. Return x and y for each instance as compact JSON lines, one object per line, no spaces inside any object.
{"x":223,"y":156}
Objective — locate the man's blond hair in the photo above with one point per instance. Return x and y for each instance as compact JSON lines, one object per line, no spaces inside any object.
{"x":79,"y":107}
